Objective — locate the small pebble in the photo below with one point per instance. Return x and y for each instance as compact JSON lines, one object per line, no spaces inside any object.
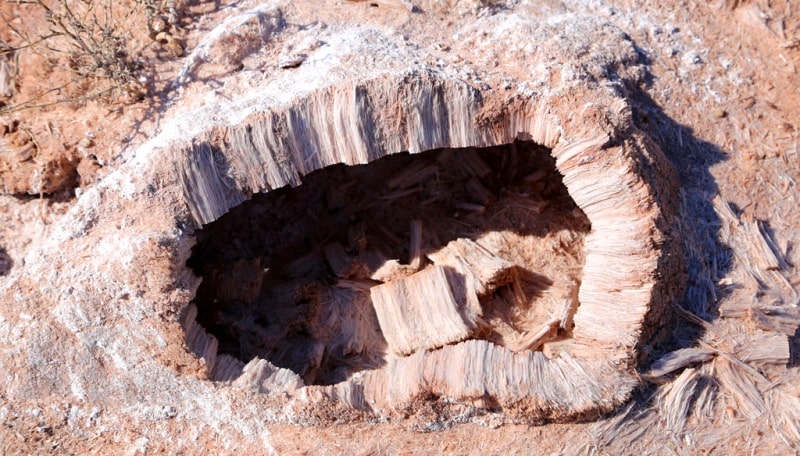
{"x":158,"y":25}
{"x":692,"y":58}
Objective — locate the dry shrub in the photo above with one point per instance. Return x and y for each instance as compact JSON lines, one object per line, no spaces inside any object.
{"x":94,"y":39}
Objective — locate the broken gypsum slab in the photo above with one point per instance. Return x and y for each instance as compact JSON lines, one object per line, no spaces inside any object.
{"x":534,"y":339}
{"x":424,"y":311}
{"x":516,"y":381}
{"x":486,"y":270}
{"x":776,"y":321}
{"x":740,"y":387}
{"x":761,"y":348}
{"x":678,"y":359}
{"x":227,"y":369}
{"x":264,"y":377}
{"x":675,"y":400}
{"x":765,"y":252}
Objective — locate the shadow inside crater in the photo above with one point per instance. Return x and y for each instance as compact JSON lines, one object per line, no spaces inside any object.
{"x":6,"y":262}
{"x":707,"y":258}
{"x":287,"y":274}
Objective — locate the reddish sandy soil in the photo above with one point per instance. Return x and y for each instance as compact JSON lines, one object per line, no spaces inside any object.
{"x":721,"y":100}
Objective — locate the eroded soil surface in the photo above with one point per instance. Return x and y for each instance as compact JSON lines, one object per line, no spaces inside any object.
{"x":721,"y":101}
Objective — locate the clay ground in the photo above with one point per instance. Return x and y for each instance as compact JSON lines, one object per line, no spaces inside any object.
{"x":722,"y":102}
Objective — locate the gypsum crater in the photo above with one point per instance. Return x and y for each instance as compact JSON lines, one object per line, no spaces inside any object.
{"x":330,"y":278}
{"x":630,"y":261}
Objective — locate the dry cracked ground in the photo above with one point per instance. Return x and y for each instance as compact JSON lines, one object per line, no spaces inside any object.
{"x":712,"y":84}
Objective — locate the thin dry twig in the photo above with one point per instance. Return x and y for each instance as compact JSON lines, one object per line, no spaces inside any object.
{"x":96,"y":42}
